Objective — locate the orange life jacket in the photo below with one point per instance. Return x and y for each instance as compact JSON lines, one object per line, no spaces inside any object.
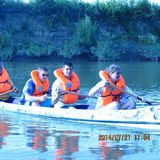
{"x":108,"y":95}
{"x":40,"y":87}
{"x":4,"y":82}
{"x":68,"y":85}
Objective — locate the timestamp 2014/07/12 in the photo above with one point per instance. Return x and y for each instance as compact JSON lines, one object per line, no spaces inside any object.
{"x":124,"y":137}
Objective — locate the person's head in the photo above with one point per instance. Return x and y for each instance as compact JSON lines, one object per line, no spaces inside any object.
{"x":43,"y":73}
{"x":114,"y":72}
{"x":67,"y":69}
{"x":1,"y":67}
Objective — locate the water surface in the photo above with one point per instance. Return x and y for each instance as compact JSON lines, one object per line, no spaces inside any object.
{"x":26,"y":137}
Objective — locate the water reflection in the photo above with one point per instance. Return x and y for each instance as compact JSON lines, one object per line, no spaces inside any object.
{"x":37,"y":138}
{"x":123,"y":150}
{"x":52,"y":139}
{"x":66,"y":144}
{"x":4,"y":131}
{"x":106,"y":151}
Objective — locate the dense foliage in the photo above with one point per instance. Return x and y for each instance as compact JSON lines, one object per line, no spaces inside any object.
{"x":115,"y":30}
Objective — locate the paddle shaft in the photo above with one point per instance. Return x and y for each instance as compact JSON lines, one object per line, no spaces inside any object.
{"x":6,"y":92}
{"x":75,"y":93}
{"x":130,"y":94}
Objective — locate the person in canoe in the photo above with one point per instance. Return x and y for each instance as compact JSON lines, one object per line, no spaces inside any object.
{"x":36,"y":89}
{"x":110,"y":89}
{"x":6,"y":86}
{"x":65,"y":89}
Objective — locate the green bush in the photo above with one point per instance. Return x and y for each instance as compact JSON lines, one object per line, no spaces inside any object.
{"x":117,"y":9}
{"x":6,"y":54}
{"x":85,"y":32}
{"x":37,"y":50}
{"x":81,"y":41}
{"x":5,"y":39}
{"x":104,"y":50}
{"x":143,"y":7}
{"x":151,"y":51}
{"x":113,"y":48}
{"x":68,"y":49}
{"x":6,"y":46}
{"x":148,"y":38}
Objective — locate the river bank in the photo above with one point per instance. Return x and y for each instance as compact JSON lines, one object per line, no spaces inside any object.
{"x":112,"y":31}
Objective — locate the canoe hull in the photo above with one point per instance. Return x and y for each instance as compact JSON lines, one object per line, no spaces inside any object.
{"x":141,"y":118}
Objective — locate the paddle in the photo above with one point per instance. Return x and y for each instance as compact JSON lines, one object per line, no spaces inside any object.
{"x":75,"y":93}
{"x":7,"y":92}
{"x":130,"y":94}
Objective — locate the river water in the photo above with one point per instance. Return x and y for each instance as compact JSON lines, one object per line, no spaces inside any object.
{"x":26,"y":137}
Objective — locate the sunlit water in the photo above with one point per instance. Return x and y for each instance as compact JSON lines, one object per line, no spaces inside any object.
{"x":26,"y":137}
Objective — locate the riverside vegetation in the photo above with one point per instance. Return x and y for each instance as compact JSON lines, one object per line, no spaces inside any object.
{"x":111,"y":31}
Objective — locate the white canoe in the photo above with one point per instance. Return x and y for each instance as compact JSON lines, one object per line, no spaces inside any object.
{"x":145,"y":118}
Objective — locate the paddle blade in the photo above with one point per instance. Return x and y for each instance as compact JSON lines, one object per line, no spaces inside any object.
{"x":148,"y":102}
{"x":139,"y":98}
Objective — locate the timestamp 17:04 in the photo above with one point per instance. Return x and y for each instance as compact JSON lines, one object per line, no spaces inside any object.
{"x":124,"y":137}
{"x":145,"y":137}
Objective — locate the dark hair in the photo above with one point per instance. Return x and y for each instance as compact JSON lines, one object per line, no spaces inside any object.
{"x":67,"y":63}
{"x":42,"y":68}
{"x":113,"y":68}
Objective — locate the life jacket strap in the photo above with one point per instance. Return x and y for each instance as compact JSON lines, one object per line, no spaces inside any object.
{"x":4,"y":82}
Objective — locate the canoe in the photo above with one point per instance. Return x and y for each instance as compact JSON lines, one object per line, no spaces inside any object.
{"x":145,"y":118}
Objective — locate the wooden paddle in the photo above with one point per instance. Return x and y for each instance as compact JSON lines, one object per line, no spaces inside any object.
{"x":75,"y":93}
{"x":130,"y":94}
{"x":6,"y":92}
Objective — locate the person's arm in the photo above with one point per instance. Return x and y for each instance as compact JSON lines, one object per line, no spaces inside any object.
{"x":129,"y":93}
{"x":96,"y":88}
{"x":29,"y":90}
{"x":30,"y":98}
{"x":56,"y":92}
